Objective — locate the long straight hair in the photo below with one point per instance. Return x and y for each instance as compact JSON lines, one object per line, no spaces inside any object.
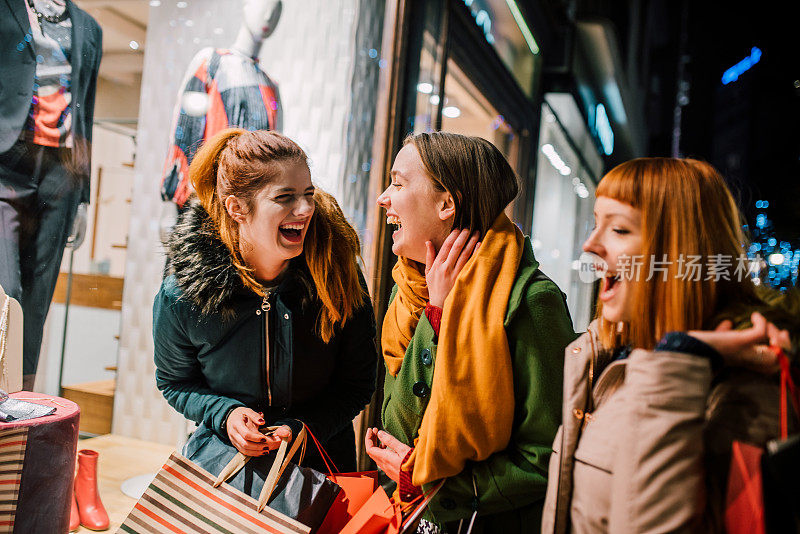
{"x":687,"y":210}
{"x":241,"y":163}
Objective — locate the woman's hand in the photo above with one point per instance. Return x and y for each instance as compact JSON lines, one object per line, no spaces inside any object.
{"x":442,"y":268}
{"x":242,"y":427}
{"x":389,"y":455}
{"x":750,"y":347}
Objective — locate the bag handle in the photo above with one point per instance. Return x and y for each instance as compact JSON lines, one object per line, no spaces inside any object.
{"x":326,"y":458}
{"x":411,"y":511}
{"x":279,"y":465}
{"x":786,"y":383}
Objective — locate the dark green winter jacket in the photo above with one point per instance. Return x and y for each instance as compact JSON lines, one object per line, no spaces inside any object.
{"x":210,"y":351}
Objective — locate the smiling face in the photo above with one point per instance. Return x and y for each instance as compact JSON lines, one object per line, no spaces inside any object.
{"x":415,"y":207}
{"x":272,"y":232}
{"x":617,"y":232}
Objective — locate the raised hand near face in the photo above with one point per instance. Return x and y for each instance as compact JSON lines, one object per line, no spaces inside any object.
{"x":442,"y":268}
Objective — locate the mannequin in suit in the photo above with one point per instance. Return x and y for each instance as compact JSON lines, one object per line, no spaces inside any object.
{"x":222,"y":88}
{"x":51,"y":52}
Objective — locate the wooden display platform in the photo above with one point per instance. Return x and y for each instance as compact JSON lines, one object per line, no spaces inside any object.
{"x":120,"y":459}
{"x":91,"y":290}
{"x":96,"y":400}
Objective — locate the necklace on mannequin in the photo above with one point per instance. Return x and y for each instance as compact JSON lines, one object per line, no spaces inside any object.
{"x":52,"y":19}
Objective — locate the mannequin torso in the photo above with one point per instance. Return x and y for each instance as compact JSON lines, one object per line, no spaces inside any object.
{"x":222,"y":88}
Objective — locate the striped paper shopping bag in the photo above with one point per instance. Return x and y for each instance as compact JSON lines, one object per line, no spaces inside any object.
{"x":182,"y":499}
{"x":12,"y":454}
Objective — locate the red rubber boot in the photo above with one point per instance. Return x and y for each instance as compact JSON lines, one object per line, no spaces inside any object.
{"x":93,"y":513}
{"x":74,"y":516}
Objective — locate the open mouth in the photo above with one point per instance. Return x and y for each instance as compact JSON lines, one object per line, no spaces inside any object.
{"x":394,"y":221}
{"x":610,"y":286}
{"x":292,"y":232}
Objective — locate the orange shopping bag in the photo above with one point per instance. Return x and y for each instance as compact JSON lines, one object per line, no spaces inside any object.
{"x":357,"y":488}
{"x":363,"y":507}
{"x":744,"y":513}
{"x":379,"y":515}
{"x":382,"y":515}
{"x":755,"y":501}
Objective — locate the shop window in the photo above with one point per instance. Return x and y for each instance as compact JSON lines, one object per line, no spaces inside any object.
{"x":505,"y":28}
{"x":427,"y":100}
{"x":466,"y":111}
{"x":563,"y":215}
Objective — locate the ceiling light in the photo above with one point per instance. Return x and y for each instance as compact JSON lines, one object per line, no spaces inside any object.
{"x":523,"y":26}
{"x":134,"y":45}
{"x":555,"y":159}
{"x":435,"y":100}
{"x":425,"y":87}
{"x":451,"y":112}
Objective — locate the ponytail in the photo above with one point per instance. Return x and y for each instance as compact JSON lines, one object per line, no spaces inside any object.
{"x":204,"y":173}
{"x":240,"y":163}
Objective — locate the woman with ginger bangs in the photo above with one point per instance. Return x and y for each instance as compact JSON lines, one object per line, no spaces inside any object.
{"x":264,"y":318}
{"x":473,"y":342}
{"x":674,"y":368}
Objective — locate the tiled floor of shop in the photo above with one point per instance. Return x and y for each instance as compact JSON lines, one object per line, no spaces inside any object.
{"x":120,"y":459}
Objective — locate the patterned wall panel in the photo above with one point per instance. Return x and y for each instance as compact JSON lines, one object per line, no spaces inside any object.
{"x":320,"y":57}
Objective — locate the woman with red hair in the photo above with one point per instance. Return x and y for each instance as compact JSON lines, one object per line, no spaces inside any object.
{"x":676,"y":366}
{"x":264,"y":318}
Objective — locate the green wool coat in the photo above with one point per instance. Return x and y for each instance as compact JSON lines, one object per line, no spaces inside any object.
{"x":511,"y":483}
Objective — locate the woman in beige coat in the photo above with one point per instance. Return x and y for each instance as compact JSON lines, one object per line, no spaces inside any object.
{"x":676,"y":366}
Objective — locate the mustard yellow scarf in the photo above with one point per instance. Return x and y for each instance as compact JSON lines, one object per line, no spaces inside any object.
{"x":471,"y":409}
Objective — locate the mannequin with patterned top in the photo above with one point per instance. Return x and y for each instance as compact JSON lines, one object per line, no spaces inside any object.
{"x":222,"y":88}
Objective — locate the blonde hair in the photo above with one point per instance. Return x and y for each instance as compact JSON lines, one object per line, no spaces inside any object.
{"x":240,"y":163}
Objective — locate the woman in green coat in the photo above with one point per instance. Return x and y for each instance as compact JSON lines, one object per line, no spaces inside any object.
{"x":473,"y":342}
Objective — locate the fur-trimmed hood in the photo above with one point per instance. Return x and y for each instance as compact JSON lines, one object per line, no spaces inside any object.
{"x":202,"y":264}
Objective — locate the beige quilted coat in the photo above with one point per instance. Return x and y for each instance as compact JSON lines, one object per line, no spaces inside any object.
{"x":649,"y":449}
